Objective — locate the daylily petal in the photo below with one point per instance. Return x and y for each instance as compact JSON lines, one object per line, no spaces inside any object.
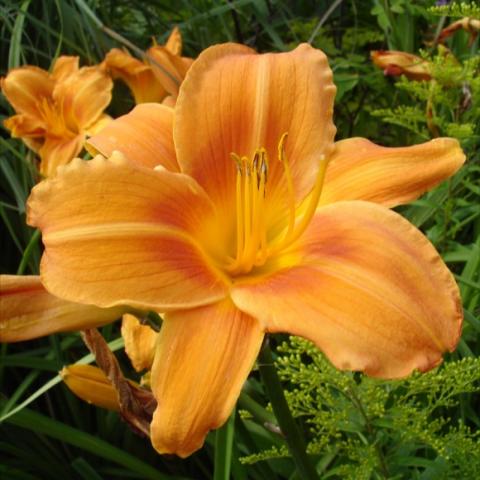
{"x":367,"y":288}
{"x":28,"y":311}
{"x":26,"y":127}
{"x":144,"y":136}
{"x":397,"y":63}
{"x":361,"y":170}
{"x":91,"y":385}
{"x":136,"y":74}
{"x":203,"y":357}
{"x":169,"y":69}
{"x":116,"y":233}
{"x":83,"y":97}
{"x":64,"y":67}
{"x":139,"y":342}
{"x":25,"y":87}
{"x":174,"y":42}
{"x":99,"y":125}
{"x":57,"y":151}
{"x":249,"y":101}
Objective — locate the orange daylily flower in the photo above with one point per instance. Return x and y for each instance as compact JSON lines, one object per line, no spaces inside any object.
{"x":157,"y":78}
{"x":396,"y":63}
{"x":252,"y":221}
{"x":470,"y":25}
{"x":56,"y":111}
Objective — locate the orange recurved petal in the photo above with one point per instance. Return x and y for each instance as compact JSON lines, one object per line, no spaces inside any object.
{"x":57,"y":151}
{"x":83,"y":97}
{"x":202,"y":359}
{"x":28,"y":311}
{"x":116,"y":233}
{"x":367,"y":287}
{"x":139,"y":342}
{"x":249,"y":101}
{"x":144,"y":136}
{"x":174,"y":42}
{"x":25,"y":87}
{"x":64,"y":67}
{"x":361,"y":170}
{"x":136,"y":74}
{"x":169,"y":69}
{"x":91,"y":385}
{"x":29,"y":128}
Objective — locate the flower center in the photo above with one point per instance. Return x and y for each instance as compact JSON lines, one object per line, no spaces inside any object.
{"x":253,"y":248}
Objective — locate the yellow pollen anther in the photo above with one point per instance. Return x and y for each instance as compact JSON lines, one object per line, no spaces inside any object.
{"x":250,"y":222}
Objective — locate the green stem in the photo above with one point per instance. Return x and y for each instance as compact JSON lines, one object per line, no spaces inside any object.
{"x":223,"y":449}
{"x":358,"y":403}
{"x":124,"y":41}
{"x":32,"y":244}
{"x":295,"y":441}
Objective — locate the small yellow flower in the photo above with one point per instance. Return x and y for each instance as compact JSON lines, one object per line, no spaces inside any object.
{"x":56,"y":111}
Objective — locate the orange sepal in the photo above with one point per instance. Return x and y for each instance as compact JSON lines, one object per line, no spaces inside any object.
{"x":202,"y":359}
{"x":361,"y":170}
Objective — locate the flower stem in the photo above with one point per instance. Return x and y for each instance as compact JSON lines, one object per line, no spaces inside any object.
{"x":295,"y":441}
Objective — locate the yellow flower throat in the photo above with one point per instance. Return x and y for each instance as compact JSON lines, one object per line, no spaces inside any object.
{"x":253,"y":248}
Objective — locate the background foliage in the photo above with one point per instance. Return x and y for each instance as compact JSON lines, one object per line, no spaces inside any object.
{"x":425,"y":427}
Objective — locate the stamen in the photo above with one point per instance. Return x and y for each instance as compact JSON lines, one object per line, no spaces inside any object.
{"x":251,"y":222}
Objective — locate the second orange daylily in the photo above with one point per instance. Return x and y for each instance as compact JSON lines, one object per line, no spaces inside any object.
{"x":156,"y":79}
{"x":395,"y":63}
{"x":250,"y":221}
{"x":470,"y":25}
{"x":56,"y":111}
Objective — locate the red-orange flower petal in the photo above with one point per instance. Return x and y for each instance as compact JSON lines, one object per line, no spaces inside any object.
{"x":365,"y":286}
{"x":116,"y":233}
{"x":30,"y":129}
{"x":174,"y":42}
{"x":247,"y":101}
{"x":144,"y":136}
{"x":397,"y":63}
{"x":203,"y":357}
{"x":28,"y":311}
{"x":361,"y":170}
{"x":83,"y":97}
{"x":136,"y":74}
{"x":139,"y":342}
{"x":57,"y":151}
{"x":169,"y":69}
{"x":25,"y":87}
{"x":64,"y":67}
